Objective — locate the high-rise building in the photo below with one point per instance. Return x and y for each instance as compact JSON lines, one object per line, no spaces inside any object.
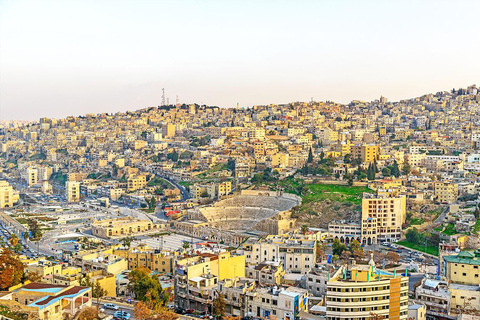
{"x":7,"y":196}
{"x":363,"y":292}
{"x":168,"y":130}
{"x":383,"y":214}
{"x":32,"y":176}
{"x":72,"y":190}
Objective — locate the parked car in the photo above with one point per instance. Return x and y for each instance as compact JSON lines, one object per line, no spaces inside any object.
{"x":386,"y":243}
{"x":110,"y":306}
{"x":124,"y":315}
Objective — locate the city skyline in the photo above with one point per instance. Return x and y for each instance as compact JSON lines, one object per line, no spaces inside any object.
{"x":73,"y":58}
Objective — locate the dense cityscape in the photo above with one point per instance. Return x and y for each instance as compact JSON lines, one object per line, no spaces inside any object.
{"x":306,"y":210}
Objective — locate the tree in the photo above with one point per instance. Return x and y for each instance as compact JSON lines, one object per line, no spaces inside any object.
{"x":335,"y":258}
{"x":304,"y":229}
{"x":186,"y":245}
{"x":34,"y":228}
{"x":394,"y":169}
{"x":386,"y":172}
{"x":412,"y":235}
{"x":13,"y":240}
{"x":355,"y":246}
{"x":406,"y":168}
{"x":310,"y":156}
{"x":219,"y":305}
{"x":11,"y":269}
{"x":476,"y":213}
{"x":320,"y":253}
{"x":358,"y":255}
{"x":345,"y":256}
{"x":127,"y":241}
{"x":147,"y":288}
{"x":370,"y":172}
{"x":392,"y":257}
{"x":98,"y":292}
{"x":338,"y":247}
{"x":88,"y":313}
{"x":34,"y":276}
{"x":141,"y":311}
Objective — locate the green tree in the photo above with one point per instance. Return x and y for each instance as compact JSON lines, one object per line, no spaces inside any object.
{"x":147,"y":288}
{"x":338,"y":247}
{"x":406,"y":168}
{"x":395,"y":169}
{"x":127,"y":241}
{"x":310,"y":156}
{"x":355,"y":245}
{"x":371,"y":172}
{"x":413,"y":235}
{"x":386,"y":172}
{"x":98,"y":292}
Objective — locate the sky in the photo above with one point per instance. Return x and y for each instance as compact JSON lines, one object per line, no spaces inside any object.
{"x":69,"y":57}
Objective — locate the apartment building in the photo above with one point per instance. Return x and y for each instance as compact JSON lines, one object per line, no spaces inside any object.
{"x":32,"y":176}
{"x":72,"y":191}
{"x":383,"y":214}
{"x":446,"y":191}
{"x":168,"y":130}
{"x":267,"y":273}
{"x":278,"y":302}
{"x":357,"y":292}
{"x":7,"y":195}
{"x":297,"y":256}
{"x":197,"y":277}
{"x":142,"y":256}
{"x":463,"y":268}
{"x":137,"y":182}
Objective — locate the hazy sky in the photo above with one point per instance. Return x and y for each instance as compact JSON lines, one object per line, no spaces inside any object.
{"x":69,"y":57}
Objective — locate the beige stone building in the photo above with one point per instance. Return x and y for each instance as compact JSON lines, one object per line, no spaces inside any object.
{"x":446,"y":191}
{"x":7,"y":195}
{"x":382,"y":216}
{"x":72,"y":191}
{"x":122,"y":227}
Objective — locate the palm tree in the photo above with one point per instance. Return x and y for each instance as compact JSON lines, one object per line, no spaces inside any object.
{"x":26,"y":236}
{"x":186,"y":245}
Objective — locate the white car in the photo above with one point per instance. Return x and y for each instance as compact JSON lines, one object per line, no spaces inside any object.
{"x":110,"y":306}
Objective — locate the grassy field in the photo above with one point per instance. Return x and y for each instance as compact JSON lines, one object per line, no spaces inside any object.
{"x":417,"y":221}
{"x":476,"y":227}
{"x":449,"y":229}
{"x":430,"y":249}
{"x":340,"y":193}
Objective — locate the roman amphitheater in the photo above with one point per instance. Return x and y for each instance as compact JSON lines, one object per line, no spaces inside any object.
{"x":238,"y":215}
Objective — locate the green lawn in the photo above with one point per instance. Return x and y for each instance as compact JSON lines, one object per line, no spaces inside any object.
{"x":186,"y":183}
{"x":340,"y":193}
{"x":449,"y":229}
{"x":430,"y":249}
{"x":417,"y":221}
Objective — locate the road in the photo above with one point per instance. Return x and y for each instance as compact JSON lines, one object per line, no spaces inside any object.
{"x":439,"y":220}
{"x":122,"y":307}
